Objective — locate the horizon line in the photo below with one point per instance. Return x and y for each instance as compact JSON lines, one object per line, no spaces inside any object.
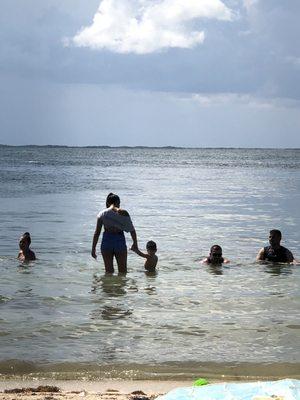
{"x":147,"y":147}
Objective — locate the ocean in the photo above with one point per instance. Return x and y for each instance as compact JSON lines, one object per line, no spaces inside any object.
{"x":61,"y":317}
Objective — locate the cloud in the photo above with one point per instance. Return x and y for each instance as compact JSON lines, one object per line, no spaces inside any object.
{"x":242,"y":100}
{"x":147,"y":26}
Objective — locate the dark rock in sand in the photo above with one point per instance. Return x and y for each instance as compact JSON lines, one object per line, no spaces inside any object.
{"x":43,"y":389}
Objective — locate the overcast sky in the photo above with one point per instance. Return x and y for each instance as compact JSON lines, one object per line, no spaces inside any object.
{"x":195,"y":73}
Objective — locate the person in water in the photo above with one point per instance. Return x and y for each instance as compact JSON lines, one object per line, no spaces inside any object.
{"x":151,"y":257}
{"x":215,"y":256}
{"x":275,"y":252}
{"x":115,"y":221}
{"x":25,"y":253}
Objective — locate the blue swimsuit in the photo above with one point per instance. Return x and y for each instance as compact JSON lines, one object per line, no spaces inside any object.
{"x":113,"y":239}
{"x":113,"y":242}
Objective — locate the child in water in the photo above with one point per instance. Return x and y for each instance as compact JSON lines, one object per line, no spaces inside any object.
{"x":151,"y":257}
{"x":25,"y":253}
{"x":215,"y":256}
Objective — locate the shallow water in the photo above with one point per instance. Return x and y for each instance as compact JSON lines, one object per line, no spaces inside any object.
{"x":62,"y":314}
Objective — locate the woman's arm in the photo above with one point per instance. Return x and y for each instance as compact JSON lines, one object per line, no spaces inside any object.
{"x":134,"y":246}
{"x":96,"y":237}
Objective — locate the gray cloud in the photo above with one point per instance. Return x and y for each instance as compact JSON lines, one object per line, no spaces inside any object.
{"x":227,"y":61}
{"x":49,"y":92}
{"x":44,"y":113}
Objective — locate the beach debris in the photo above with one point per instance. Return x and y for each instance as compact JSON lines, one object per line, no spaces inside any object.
{"x":200,"y":382}
{"x":139,"y":395}
{"x":39,"y":389}
{"x":138,"y":392}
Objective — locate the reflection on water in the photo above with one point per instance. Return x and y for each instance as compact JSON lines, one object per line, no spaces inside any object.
{"x":108,"y":288}
{"x":215,"y":269}
{"x":110,"y":313}
{"x":277,"y":268}
{"x":25,"y":267}
{"x":150,"y":290}
{"x":114,"y":285}
{"x":151,"y":273}
{"x":188,"y":312}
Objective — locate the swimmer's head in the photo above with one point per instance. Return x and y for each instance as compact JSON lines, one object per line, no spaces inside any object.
{"x":275,"y":237}
{"x":25,"y":241}
{"x":112,"y":199}
{"x":215,"y":253}
{"x":151,"y":247}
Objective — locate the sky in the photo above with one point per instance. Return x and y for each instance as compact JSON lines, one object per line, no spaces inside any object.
{"x":191,"y":73}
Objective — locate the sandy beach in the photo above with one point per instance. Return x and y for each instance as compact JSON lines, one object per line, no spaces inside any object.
{"x":73,"y":390}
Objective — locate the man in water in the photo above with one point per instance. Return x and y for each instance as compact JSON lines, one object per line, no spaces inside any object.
{"x":275,"y":252}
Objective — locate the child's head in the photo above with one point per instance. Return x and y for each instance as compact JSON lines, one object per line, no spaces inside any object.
{"x":25,"y":241}
{"x":151,"y":247}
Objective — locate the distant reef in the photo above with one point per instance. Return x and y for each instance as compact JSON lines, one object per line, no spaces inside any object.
{"x":146,"y":147}
{"x":92,"y":147}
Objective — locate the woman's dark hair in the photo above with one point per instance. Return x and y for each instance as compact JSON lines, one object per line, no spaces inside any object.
{"x":112,"y":199}
{"x":26,"y":236}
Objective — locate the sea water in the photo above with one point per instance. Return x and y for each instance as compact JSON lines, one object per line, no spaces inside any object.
{"x":60,"y":315}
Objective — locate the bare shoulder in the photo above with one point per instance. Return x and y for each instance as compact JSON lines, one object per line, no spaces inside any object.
{"x":260,"y":255}
{"x":226,"y":261}
{"x":204,"y":261}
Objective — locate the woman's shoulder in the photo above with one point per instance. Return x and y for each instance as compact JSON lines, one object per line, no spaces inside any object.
{"x":103,"y":212}
{"x":122,"y":212}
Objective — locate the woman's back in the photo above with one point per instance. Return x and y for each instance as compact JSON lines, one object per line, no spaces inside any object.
{"x":115,"y":218}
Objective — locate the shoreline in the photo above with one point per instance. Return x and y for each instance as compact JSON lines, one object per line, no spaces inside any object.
{"x":96,"y":390}
{"x":89,"y":390}
{"x":19,"y":370}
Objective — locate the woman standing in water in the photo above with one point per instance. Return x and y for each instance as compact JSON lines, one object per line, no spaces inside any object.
{"x":115,"y":221}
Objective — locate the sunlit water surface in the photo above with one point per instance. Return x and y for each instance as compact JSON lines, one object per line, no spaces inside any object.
{"x":61,"y":313}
